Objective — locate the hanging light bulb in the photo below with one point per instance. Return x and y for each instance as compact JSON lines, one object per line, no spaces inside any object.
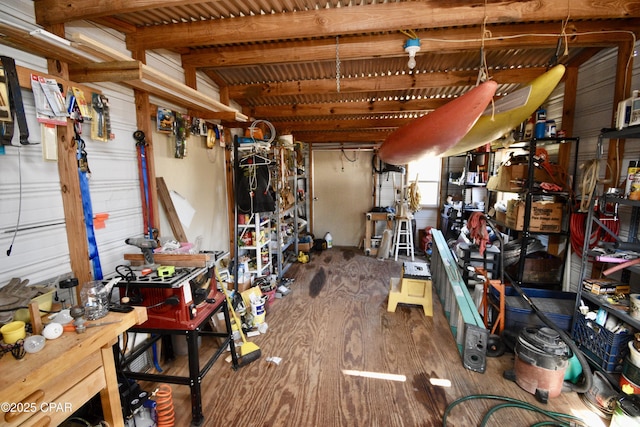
{"x":412,"y":46}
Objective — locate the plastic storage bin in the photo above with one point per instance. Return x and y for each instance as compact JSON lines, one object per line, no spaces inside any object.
{"x":469,"y":255}
{"x":603,"y":347}
{"x":556,"y":305}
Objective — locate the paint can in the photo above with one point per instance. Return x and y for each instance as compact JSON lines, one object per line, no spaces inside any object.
{"x":634,"y":306}
{"x":632,"y":169}
{"x":634,"y":192}
{"x":550,"y":129}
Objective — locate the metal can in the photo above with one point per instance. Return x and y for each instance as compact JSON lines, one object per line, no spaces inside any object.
{"x":550,"y":129}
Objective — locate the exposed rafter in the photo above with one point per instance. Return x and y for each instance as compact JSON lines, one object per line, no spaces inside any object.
{"x":279,"y":59}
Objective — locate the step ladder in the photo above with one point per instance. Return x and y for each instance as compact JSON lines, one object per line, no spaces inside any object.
{"x":403,"y":237}
{"x":465,"y":322}
{"x":414,"y":287}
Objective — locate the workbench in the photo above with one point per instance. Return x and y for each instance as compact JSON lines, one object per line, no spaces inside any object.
{"x":47,"y":387}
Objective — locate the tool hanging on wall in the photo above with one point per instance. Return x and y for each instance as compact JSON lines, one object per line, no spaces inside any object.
{"x":83,"y":175}
{"x":16,"y":107}
{"x":101,"y":119}
{"x":181,"y":132}
{"x":143,"y":170}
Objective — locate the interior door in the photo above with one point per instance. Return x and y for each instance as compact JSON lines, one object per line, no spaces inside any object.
{"x":342,"y":194}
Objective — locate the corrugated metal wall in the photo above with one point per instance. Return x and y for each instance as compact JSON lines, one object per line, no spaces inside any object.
{"x":593,"y":113}
{"x":40,"y":254}
{"x":30,"y":190}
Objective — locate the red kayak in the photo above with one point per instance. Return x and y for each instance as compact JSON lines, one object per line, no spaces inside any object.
{"x":438,"y":131}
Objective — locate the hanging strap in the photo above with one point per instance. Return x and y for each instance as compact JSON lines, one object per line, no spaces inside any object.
{"x":147,"y":211}
{"x":83,"y":172}
{"x":15,"y":102}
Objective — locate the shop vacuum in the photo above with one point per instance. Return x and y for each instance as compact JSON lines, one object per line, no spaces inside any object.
{"x":541,"y":360}
{"x":542,"y":356}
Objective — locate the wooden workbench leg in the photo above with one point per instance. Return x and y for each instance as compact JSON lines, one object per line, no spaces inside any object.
{"x":110,"y":395}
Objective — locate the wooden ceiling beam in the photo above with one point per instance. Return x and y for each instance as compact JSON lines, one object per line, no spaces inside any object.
{"x":387,"y":17}
{"x":356,"y":123}
{"x":380,"y":83}
{"x":57,"y":12}
{"x":418,"y":106}
{"x":115,"y":71}
{"x":365,"y":136}
{"x":517,"y":36}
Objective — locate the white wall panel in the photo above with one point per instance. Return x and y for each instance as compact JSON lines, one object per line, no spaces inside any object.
{"x":42,"y":253}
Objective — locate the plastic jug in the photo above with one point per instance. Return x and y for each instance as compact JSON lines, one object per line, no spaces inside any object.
{"x":329,"y":239}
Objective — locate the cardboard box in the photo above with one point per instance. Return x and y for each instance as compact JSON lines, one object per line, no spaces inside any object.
{"x":304,"y":247}
{"x":539,"y":267}
{"x":605,"y":286}
{"x":545,"y":216}
{"x":501,"y":217}
{"x":510,"y":178}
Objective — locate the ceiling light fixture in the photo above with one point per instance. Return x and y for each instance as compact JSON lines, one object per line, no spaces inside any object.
{"x":412,"y":46}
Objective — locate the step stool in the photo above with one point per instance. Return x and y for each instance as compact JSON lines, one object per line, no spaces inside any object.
{"x":414,"y":287}
{"x":403,"y":229}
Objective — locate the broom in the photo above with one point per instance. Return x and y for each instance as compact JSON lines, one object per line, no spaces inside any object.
{"x":249,"y":351}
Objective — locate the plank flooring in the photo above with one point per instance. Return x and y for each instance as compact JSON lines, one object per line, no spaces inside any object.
{"x":333,"y":329}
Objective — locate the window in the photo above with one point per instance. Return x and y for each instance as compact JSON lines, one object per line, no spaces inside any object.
{"x":427,"y":171}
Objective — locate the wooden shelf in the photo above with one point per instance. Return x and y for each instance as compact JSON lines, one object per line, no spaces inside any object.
{"x":91,"y":61}
{"x":120,"y":68}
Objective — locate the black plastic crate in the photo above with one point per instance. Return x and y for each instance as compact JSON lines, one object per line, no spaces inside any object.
{"x":603,"y":347}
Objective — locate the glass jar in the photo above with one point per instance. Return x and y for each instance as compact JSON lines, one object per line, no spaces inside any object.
{"x":95,"y":300}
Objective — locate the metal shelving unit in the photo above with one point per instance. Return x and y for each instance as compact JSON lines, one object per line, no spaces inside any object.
{"x":463,"y":187}
{"x":257,"y":233}
{"x":612,"y":352}
{"x":286,"y":220}
{"x":529,"y":193}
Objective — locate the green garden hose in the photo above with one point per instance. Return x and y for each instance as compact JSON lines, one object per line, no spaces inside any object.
{"x":558,"y":418}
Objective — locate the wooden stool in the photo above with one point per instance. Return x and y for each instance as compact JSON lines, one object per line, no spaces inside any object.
{"x":414,"y":287}
{"x":403,"y":229}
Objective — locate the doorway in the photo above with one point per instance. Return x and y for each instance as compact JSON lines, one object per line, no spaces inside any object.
{"x":342,"y":194}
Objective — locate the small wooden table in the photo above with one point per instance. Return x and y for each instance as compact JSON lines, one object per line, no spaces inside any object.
{"x":371,"y":243}
{"x":47,"y":387}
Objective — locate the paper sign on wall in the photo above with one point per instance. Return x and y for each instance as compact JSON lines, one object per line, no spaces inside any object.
{"x":183,"y":208}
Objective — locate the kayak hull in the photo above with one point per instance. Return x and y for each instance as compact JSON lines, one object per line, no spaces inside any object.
{"x":435,"y":133}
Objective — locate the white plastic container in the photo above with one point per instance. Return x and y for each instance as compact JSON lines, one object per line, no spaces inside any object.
{"x":329,"y":239}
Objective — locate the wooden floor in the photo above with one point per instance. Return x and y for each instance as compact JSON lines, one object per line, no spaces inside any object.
{"x":330,"y":330}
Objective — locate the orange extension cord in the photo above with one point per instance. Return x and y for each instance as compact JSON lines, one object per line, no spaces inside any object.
{"x":164,"y":406}
{"x":578,"y":228}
